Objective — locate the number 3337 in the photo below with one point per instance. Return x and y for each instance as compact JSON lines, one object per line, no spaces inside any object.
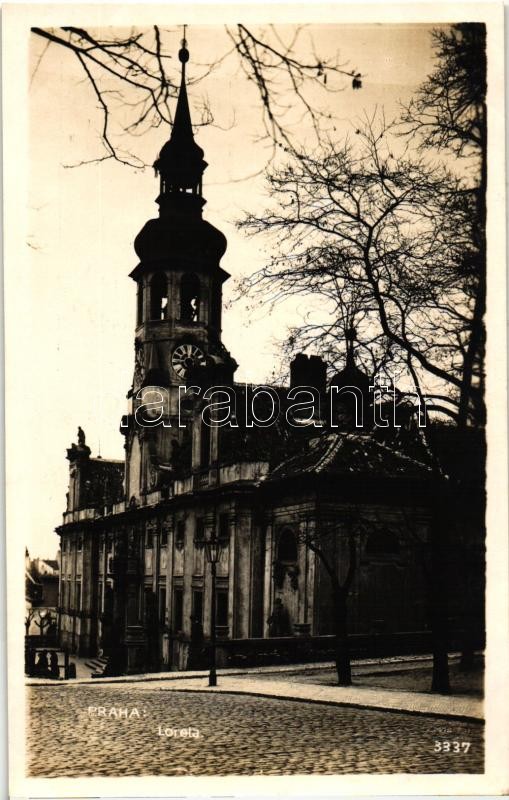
{"x":451,"y":747}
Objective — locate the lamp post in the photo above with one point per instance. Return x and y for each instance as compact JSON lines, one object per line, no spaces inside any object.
{"x":213,"y":551}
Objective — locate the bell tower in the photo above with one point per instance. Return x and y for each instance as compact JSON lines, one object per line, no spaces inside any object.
{"x":179,"y":302}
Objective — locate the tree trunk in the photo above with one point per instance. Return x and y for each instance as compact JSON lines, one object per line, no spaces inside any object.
{"x":440,"y":634}
{"x":342,"y":648}
{"x":439,"y":591}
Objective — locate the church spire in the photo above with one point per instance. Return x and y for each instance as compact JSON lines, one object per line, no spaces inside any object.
{"x":182,"y":128}
{"x":180,"y":164}
{"x":180,"y":234}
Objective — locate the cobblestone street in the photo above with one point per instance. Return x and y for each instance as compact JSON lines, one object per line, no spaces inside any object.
{"x":69,"y":736}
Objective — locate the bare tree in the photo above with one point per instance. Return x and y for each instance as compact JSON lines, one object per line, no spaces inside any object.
{"x":380,"y":238}
{"x":448,"y":111}
{"x":379,"y":228}
{"x":28,"y":619}
{"x":372,"y":224}
{"x":330,"y":534}
{"x":448,"y":114}
{"x":44,"y":621}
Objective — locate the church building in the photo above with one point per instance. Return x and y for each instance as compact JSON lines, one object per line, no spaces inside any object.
{"x":297,"y":509}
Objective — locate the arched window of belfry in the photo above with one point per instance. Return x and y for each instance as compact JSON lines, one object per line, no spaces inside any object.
{"x":158,"y":296}
{"x":190,"y":298}
{"x":287,"y":547}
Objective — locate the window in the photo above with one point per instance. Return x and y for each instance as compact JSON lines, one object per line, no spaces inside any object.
{"x":287,"y":547}
{"x":189,"y":298}
{"x":158,"y":296}
{"x":139,"y":305}
{"x":178,"y":609}
{"x":224,"y":527}
{"x":164,"y":535}
{"x":150,"y":603}
{"x":200,"y":529}
{"x":162,"y":605}
{"x":109,"y":545}
{"x":79,"y":543}
{"x":77,"y":603}
{"x":100,"y":597}
{"x":382,"y":542}
{"x":108,"y":599}
{"x":180,"y":537}
{"x":149,"y":540}
{"x":205,"y":441}
{"x":198,"y":605}
{"x":222,"y":608}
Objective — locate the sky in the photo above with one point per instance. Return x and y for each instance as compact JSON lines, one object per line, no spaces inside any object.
{"x":83,"y":221}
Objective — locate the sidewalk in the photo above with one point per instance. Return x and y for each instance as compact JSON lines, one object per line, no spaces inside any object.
{"x":459,"y":707}
{"x":83,"y":673}
{"x":257,"y":682}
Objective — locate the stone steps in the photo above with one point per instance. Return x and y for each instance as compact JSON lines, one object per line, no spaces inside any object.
{"x":97,"y":665}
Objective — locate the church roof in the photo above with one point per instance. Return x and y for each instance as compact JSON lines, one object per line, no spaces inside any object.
{"x":349,"y":454}
{"x":51,"y":562}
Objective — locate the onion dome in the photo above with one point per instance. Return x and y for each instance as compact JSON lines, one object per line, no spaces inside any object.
{"x":193,"y":240}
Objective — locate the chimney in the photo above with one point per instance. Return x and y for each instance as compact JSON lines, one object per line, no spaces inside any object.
{"x":308,"y":371}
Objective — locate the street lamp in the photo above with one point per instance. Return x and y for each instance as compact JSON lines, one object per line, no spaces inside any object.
{"x":213,"y":551}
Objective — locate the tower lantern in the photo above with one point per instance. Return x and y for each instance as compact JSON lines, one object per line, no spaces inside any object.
{"x":180,"y":164}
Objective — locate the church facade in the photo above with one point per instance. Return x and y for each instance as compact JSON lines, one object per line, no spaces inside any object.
{"x":292,"y":504}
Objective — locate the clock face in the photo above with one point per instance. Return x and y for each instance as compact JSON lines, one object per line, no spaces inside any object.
{"x":186,"y":356}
